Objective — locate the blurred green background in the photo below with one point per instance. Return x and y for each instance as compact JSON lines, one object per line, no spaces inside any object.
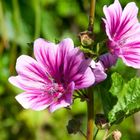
{"x":21,"y":22}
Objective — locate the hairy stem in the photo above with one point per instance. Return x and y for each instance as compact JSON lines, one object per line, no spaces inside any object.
{"x":91,"y":15}
{"x":90,"y":111}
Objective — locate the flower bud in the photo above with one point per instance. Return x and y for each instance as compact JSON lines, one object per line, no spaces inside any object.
{"x":101,"y":121}
{"x":86,"y":38}
{"x":116,"y":135}
{"x":73,"y":126}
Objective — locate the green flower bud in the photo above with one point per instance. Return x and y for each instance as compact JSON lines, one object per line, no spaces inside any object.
{"x":86,"y":38}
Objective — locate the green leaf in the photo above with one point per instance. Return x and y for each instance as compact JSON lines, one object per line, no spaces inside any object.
{"x":128,"y":95}
{"x":117,"y":84}
{"x":87,"y":51}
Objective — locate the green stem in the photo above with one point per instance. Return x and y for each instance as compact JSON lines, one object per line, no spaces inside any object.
{"x":90,"y":111}
{"x":91,"y":15}
{"x":82,"y":133}
{"x":96,"y":134}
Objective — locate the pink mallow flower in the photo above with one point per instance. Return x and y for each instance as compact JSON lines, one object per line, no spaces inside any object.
{"x":49,"y":80}
{"x":123,"y":31}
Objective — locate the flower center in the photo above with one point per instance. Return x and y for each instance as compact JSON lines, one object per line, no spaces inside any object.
{"x":116,"y":47}
{"x":54,"y":89}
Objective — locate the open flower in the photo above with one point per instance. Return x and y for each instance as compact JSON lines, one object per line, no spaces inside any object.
{"x":49,"y":81}
{"x":123,"y":31}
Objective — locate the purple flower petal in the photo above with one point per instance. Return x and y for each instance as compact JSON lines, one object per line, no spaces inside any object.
{"x":77,"y":70}
{"x":108,"y":60}
{"x":65,"y":46}
{"x":46,"y":54}
{"x":99,"y":71}
{"x":35,"y":101}
{"x":25,"y":84}
{"x":123,"y":31}
{"x":131,"y":60}
{"x":30,"y":69}
{"x":31,"y":75}
{"x":112,"y":13}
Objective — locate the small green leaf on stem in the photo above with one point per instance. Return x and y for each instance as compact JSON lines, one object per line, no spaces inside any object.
{"x":88,"y":53}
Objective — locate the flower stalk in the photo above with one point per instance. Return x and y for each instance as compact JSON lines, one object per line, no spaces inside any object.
{"x":90,"y":105}
{"x":91,"y":15}
{"x":90,"y":112}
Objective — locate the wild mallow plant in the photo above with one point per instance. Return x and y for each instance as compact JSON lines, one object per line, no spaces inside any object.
{"x":60,"y":72}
